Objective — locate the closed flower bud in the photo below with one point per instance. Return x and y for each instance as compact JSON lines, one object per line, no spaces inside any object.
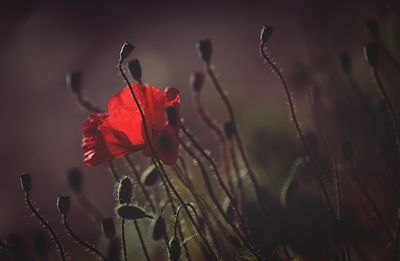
{"x":126,"y":50}
{"x":158,"y":228}
{"x":347,"y":151}
{"x":266,"y":33}
{"x":74,"y":179}
{"x":172,"y":116}
{"x":196,"y":81}
{"x":150,"y":176}
{"x":26,"y":182}
{"x":204,"y":49}
{"x":74,"y":81}
{"x":228,"y":209}
{"x":372,"y":28}
{"x":108,"y":228}
{"x":174,"y":249}
{"x":132,"y":213}
{"x":229,"y":129}
{"x":63,"y":204}
{"x":125,"y":189}
{"x":135,"y":70}
{"x":345,"y":62}
{"x":371,"y":54}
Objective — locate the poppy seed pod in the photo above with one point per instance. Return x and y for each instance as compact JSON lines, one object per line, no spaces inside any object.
{"x":196,"y":81}
{"x":372,"y":28}
{"x":347,"y":151}
{"x":229,"y":129}
{"x":204,"y":49}
{"x":174,"y":249}
{"x":74,"y":81}
{"x":150,"y":176}
{"x":266,"y":33}
{"x":26,"y":182}
{"x":371,"y":53}
{"x":135,"y":70}
{"x":74,"y":179}
{"x":345,"y":62}
{"x":125,"y":190}
{"x":158,"y":228}
{"x":172,"y":116}
{"x":132,"y":213}
{"x":126,"y":50}
{"x":63,"y":204}
{"x":108,"y":228}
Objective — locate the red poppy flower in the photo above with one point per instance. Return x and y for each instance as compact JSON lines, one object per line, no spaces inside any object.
{"x":122,"y":130}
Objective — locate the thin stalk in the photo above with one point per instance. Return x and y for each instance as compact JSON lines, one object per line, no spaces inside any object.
{"x":46,"y":225}
{"x":231,"y":115}
{"x":141,"y":240}
{"x":87,"y":105}
{"x":91,"y":209}
{"x":298,"y":129}
{"x":164,"y":174}
{"x":80,"y":241}
{"x":124,"y":239}
{"x":239,"y":183}
{"x":112,"y":170}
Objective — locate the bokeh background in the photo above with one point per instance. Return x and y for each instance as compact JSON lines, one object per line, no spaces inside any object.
{"x":40,"y":130}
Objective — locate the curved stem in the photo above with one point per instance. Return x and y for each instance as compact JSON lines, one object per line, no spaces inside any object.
{"x":124,"y":239}
{"x":298,"y":129}
{"x":47,"y":226}
{"x":86,"y":105}
{"x":112,"y":170}
{"x":141,"y":240}
{"x":80,"y":241}
{"x":178,"y":196}
{"x":237,"y":136}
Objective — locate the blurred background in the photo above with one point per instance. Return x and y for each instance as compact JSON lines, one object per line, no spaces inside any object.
{"x":43,"y":40}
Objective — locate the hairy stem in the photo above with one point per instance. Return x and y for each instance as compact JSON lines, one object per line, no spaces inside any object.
{"x":141,"y":240}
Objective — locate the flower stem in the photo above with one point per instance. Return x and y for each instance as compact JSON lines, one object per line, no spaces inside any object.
{"x":112,"y":170}
{"x":141,"y":240}
{"x":46,"y":225}
{"x":80,"y":241}
{"x":124,"y":239}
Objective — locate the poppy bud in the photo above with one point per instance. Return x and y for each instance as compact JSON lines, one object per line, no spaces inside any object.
{"x":172,"y":116}
{"x":74,"y":179}
{"x":174,"y":249}
{"x":126,"y":50}
{"x":41,"y":244}
{"x":347,"y":151}
{"x":228,"y":209}
{"x":158,"y":228}
{"x":371,"y":54}
{"x":125,"y":189}
{"x":63,"y":204}
{"x":132,"y":213}
{"x":196,"y":81}
{"x":266,"y":33}
{"x":108,"y":228}
{"x":204,"y":49}
{"x":135,"y":69}
{"x":372,"y":28}
{"x":74,"y":81}
{"x":150,"y":176}
{"x":229,"y":129}
{"x":345,"y":62}
{"x":26,"y":182}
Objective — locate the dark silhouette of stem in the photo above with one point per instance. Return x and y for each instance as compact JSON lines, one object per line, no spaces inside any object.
{"x":124,"y":239}
{"x":91,"y":209}
{"x":141,"y":240}
{"x":86,"y":105}
{"x":112,"y":170}
{"x":47,"y":226}
{"x":80,"y":241}
{"x":164,"y":174}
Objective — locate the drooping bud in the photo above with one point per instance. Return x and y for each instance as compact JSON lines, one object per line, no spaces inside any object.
{"x":74,"y":81}
{"x":347,"y":151}
{"x":132,"y":213}
{"x":345,"y":62}
{"x":108,"y":228}
{"x":172,"y":116}
{"x":229,"y":211}
{"x":26,"y":182}
{"x":196,"y":81}
{"x":158,"y":227}
{"x":266,"y":33}
{"x":135,"y":70}
{"x":371,"y":54}
{"x":41,"y":244}
{"x":150,"y":176}
{"x":126,"y":50}
{"x":125,"y":190}
{"x":204,"y":49}
{"x":174,"y":249}
{"x":74,"y":179}
{"x":63,"y":204}
{"x":229,"y":129}
{"x":372,"y":28}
